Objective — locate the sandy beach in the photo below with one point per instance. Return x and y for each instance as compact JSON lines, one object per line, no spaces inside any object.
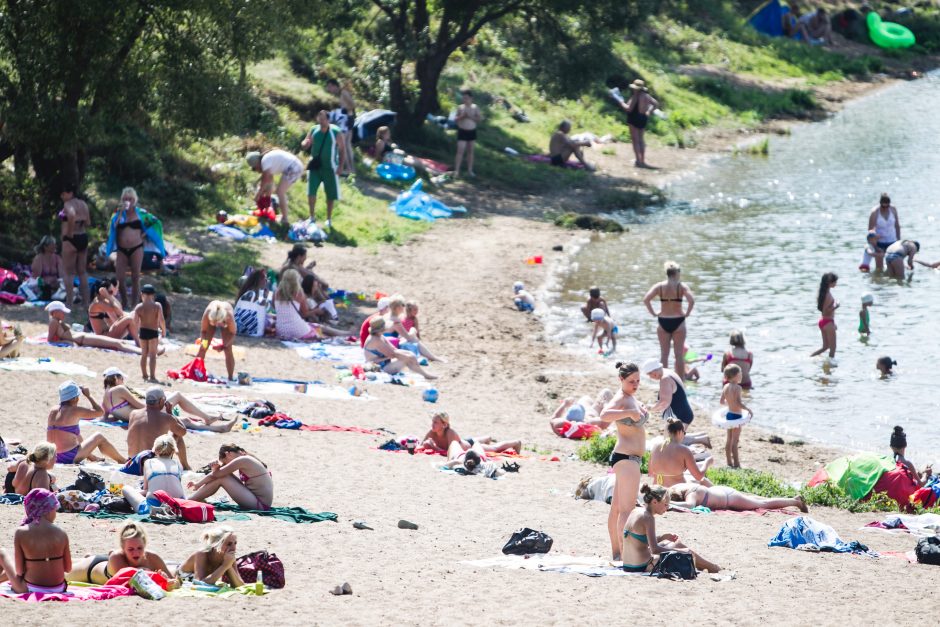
{"x":503,"y":378}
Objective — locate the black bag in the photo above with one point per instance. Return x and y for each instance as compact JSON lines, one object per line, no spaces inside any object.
{"x":314,"y":164}
{"x":115,"y":504}
{"x":928,"y":550}
{"x":88,"y":482}
{"x":526,"y":541}
{"x":674,"y":565}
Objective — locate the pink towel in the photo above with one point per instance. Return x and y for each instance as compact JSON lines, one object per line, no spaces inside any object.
{"x":74,"y":593}
{"x":339,"y":428}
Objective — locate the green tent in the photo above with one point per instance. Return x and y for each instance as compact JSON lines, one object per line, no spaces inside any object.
{"x":858,"y":474}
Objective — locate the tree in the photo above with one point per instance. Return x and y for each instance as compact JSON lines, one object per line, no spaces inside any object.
{"x":416,"y":38}
{"x":70,"y":70}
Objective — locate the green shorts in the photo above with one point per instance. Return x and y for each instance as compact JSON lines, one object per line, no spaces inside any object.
{"x":330,"y":181}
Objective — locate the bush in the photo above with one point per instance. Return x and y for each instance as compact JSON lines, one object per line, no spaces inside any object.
{"x":589,"y":222}
{"x":599,"y":448}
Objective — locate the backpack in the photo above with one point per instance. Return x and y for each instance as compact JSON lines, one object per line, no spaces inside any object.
{"x":526,"y":541}
{"x":674,"y":565}
{"x":190,"y":511}
{"x":928,"y":550}
{"x":271,"y":567}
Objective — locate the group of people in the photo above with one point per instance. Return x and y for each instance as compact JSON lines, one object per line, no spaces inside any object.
{"x":391,"y":338}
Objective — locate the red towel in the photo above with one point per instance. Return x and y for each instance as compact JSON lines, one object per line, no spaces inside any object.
{"x":339,"y":428}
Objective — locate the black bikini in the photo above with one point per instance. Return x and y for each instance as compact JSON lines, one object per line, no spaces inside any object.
{"x":97,"y":559}
{"x":669,"y":325}
{"x":133,"y":224}
{"x":78,"y":240}
{"x":62,"y":584}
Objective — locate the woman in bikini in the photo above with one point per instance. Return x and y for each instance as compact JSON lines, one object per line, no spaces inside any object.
{"x":127,"y":238}
{"x":739,"y":356}
{"x":379,"y":351}
{"x":216,"y":560}
{"x":689,"y":495}
{"x":894,"y":257}
{"x":41,"y":554}
{"x":60,"y":333}
{"x":47,"y":265}
{"x":638,"y":109}
{"x":75,"y":220}
{"x":119,"y":401}
{"x":630,"y":416}
{"x":160,"y":472}
{"x":106,"y":316}
{"x":64,"y":432}
{"x":827,"y":306}
{"x":245,"y":477}
{"x":641,"y":544}
{"x":442,"y":435}
{"x":33,"y":472}
{"x":671,"y":318}
{"x":131,"y":553}
{"x":670,"y":461}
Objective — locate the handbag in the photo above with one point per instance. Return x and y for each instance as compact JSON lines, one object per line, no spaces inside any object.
{"x":251,"y":313}
{"x":526,"y":541}
{"x":190,"y":511}
{"x":674,"y":565}
{"x":315,"y":163}
{"x":88,"y":482}
{"x":928,"y":550}
{"x":269,"y":564}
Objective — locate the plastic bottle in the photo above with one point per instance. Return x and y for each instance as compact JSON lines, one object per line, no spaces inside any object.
{"x":245,"y":424}
{"x":144,"y":508}
{"x":259,"y":584}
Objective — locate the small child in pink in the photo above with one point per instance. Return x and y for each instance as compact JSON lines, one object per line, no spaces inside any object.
{"x":410,"y":321}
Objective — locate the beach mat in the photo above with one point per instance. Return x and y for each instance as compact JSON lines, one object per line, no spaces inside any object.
{"x":74,"y":592}
{"x":289,"y":514}
{"x":553,"y":563}
{"x":215,"y":351}
{"x":54,"y":366}
{"x":104,"y":515}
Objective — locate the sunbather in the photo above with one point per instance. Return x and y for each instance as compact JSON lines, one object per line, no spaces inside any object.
{"x":64,"y":431}
{"x":59,"y":332}
{"x":11,"y":339}
{"x":641,"y":545}
{"x":245,"y":477}
{"x":33,"y":472}
{"x":379,"y":351}
{"x":689,"y":495}
{"x":472,"y":461}
{"x":161,"y":472}
{"x":40,"y":548}
{"x":585,"y":409}
{"x":216,"y":560}
{"x":107,"y":317}
{"x":131,"y":553}
{"x":670,"y":461}
{"x":442,"y":435}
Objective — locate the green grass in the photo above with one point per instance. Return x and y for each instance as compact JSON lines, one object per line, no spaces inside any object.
{"x":218,"y":272}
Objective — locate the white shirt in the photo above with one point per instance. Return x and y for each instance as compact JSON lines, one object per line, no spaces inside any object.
{"x":280,"y":161}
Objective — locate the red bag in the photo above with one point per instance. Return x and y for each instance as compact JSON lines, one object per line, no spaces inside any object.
{"x":195,"y":370}
{"x":577,"y":430}
{"x":124,"y":575}
{"x":271,"y":567}
{"x":190,"y":511}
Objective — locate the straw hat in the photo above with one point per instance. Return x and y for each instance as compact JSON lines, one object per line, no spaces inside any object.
{"x":638,"y":84}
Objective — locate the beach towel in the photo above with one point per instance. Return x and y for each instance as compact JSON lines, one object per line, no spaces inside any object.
{"x":345,"y":352}
{"x":46,"y":364}
{"x":922,"y":525}
{"x":553,"y":563}
{"x":577,"y":430}
{"x":899,"y":484}
{"x":75,"y":592}
{"x":315,"y":389}
{"x":105,"y":515}
{"x":289,"y":514}
{"x":205,"y":591}
{"x":928,"y":495}
{"x":572,"y":164}
{"x":805,"y":533}
{"x":340,"y":428}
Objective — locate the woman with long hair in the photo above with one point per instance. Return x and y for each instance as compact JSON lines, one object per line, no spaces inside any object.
{"x":106,"y":316}
{"x":245,"y":477}
{"x":290,"y":305}
{"x":827,"y":305}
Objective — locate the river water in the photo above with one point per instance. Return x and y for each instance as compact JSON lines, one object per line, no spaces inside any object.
{"x":753,"y":236}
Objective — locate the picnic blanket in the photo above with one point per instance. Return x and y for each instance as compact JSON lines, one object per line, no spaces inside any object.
{"x":75,"y":592}
{"x":46,"y":365}
{"x":205,"y":591}
{"x":105,"y":515}
{"x":554,"y":563}
{"x":215,"y":350}
{"x":289,"y":514}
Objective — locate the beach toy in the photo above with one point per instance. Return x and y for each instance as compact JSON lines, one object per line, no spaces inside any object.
{"x":720,"y":419}
{"x":379,"y":295}
{"x":888,"y":34}
{"x":430,"y":395}
{"x":534,"y":260}
{"x":395,"y":171}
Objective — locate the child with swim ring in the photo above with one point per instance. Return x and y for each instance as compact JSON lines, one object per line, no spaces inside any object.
{"x":734,"y":418}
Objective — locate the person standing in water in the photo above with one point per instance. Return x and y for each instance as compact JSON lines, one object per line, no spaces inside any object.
{"x":827,"y":306}
{"x":671,"y":318}
{"x":885,"y":223}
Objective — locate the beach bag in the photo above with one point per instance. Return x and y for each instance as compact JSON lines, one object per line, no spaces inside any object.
{"x":194,"y":370}
{"x":526,"y":541}
{"x":250,"y":315}
{"x":74,"y":501}
{"x":115,"y":504}
{"x":674,"y":565}
{"x":88,"y":482}
{"x":129,"y":577}
{"x":271,"y":567}
{"x":928,"y":550}
{"x":190,"y":511}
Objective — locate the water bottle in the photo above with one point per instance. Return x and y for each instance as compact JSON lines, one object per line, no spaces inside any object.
{"x":259,"y":583}
{"x":144,"y":508}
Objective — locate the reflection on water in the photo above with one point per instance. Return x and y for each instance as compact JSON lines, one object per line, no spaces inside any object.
{"x":753,"y":237}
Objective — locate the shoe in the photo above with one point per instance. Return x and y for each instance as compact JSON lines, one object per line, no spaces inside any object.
{"x":404,"y":524}
{"x":328,"y":224}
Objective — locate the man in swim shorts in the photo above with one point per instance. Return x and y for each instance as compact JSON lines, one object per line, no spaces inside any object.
{"x":468,"y":118}
{"x":146,"y":425}
{"x":561,"y":147}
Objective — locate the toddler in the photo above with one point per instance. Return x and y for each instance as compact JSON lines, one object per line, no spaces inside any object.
{"x":605,"y":332}
{"x":523,"y":299}
{"x":863,"y":315}
{"x":872,"y":252}
{"x":410,"y":321}
{"x":734,"y":418}
{"x":148,"y":316}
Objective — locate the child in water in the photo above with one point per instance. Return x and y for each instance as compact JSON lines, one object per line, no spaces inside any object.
{"x":605,"y":332}
{"x":872,"y":252}
{"x":884,"y":365}
{"x":734,"y":419}
{"x":863,"y":315}
{"x":522,"y":299}
{"x":594,"y":301}
{"x":691,"y":358}
{"x":148,"y":316}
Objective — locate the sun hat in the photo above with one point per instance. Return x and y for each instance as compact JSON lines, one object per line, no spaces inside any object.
{"x":68,"y":391}
{"x":597,"y":314}
{"x":155,"y":395}
{"x":638,"y":84}
{"x":651,"y":365}
{"x":114,"y":372}
{"x":57,"y":305}
{"x":384,"y":302}
{"x":253,"y":158}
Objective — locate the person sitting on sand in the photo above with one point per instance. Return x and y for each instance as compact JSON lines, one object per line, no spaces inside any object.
{"x":290,"y":305}
{"x":297,"y":260}
{"x":442,"y":435}
{"x":47,"y":267}
{"x":641,"y":545}
{"x":898,"y":447}
{"x":381,"y":310}
{"x":473,"y":461}
{"x":673,"y":401}
{"x":245,"y":477}
{"x":60,"y":333}
{"x":40,"y":548}
{"x":144,"y":426}
{"x":215,"y":561}
{"x":33,"y":472}
{"x":320,"y":307}
{"x":885,"y":365}
{"x":160,"y":472}
{"x":740,"y":356}
{"x":107,"y":317}
{"x":119,"y":401}
{"x":605,"y":332}
{"x":521,"y":298}
{"x":689,"y":495}
{"x":131,"y":553}
{"x":894,"y":257}
{"x":11,"y":339}
{"x":410,"y":321}
{"x":594,"y":301}
{"x":561,"y":147}
{"x":407,"y":340}
{"x":672,"y":459}
{"x":64,"y":432}
{"x":219,"y":315}
{"x":379,"y":351}
{"x":585,"y":409}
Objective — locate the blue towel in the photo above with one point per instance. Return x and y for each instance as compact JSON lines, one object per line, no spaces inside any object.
{"x":803,"y":530}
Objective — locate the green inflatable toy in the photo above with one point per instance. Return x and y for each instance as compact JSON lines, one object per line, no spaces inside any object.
{"x":888,"y":34}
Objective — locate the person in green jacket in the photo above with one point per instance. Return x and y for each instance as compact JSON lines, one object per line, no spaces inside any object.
{"x":326,"y":147}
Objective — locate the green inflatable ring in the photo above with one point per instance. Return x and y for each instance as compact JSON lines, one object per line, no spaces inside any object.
{"x":888,"y":34}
